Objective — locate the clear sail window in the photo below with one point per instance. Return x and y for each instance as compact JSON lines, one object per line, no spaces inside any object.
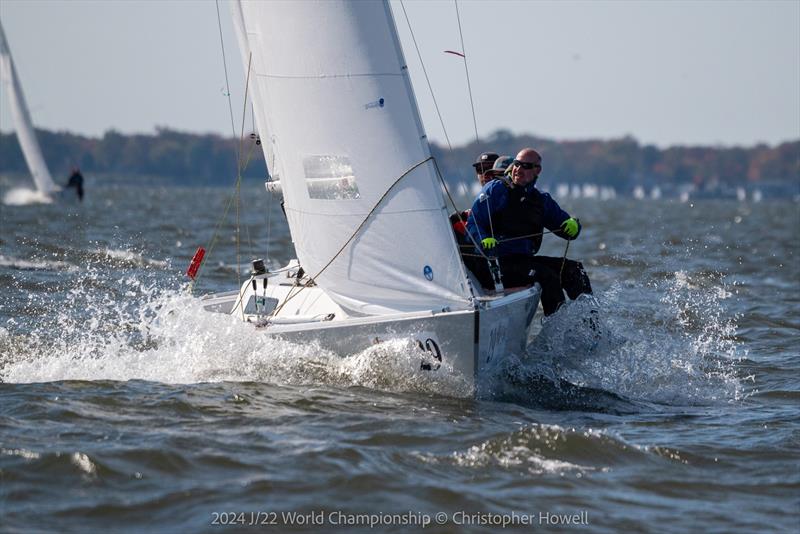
{"x":330,"y":178}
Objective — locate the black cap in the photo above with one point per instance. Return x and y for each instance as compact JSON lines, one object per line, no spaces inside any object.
{"x":503,"y":162}
{"x":487,"y":158}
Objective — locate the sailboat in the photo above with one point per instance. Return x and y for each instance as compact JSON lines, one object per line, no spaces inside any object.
{"x":23,"y":124}
{"x":376,"y":256}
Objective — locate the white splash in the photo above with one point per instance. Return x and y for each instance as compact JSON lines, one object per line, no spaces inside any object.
{"x":22,"y":453}
{"x":36,"y":264}
{"x":172,"y":339}
{"x":24,"y":197}
{"x":82,"y":462}
{"x":128,"y":256}
{"x":667,"y":343}
{"x":532,"y":451}
{"x":670,"y":342}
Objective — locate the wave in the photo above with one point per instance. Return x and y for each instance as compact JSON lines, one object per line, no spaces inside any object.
{"x":107,"y":257}
{"x":667,"y":342}
{"x":36,"y":264}
{"x":551,"y":449}
{"x":172,"y":339}
{"x":124,"y":258}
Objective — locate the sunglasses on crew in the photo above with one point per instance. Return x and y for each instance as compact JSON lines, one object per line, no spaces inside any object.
{"x":526,"y":164}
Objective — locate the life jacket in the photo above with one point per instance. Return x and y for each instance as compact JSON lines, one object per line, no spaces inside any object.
{"x":522,"y":216}
{"x":459,"y":222}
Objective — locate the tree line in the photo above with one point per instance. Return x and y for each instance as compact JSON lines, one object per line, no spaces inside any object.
{"x":212,"y":159}
{"x":178,"y":156}
{"x":624,"y":162}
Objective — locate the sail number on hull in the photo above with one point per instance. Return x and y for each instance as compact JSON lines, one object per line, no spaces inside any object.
{"x":432,"y":360}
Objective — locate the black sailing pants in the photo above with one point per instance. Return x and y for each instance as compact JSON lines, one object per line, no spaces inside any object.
{"x":522,"y":270}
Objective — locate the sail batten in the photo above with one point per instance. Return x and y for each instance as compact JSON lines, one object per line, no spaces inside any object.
{"x":344,"y":124}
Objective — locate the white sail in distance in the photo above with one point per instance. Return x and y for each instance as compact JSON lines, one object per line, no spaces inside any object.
{"x":22,"y":120}
{"x":330,"y":80}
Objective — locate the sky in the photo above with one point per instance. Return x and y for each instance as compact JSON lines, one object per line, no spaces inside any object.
{"x":720,"y":73}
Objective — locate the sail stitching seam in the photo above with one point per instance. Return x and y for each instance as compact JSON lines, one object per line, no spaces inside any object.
{"x":323,"y":76}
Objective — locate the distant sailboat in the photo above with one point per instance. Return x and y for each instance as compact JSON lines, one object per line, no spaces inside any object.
{"x":22,"y":122}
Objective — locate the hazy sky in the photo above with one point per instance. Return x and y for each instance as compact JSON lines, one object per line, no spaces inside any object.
{"x":719,"y":72}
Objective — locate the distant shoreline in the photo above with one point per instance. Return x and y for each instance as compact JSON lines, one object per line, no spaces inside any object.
{"x":623,"y":163}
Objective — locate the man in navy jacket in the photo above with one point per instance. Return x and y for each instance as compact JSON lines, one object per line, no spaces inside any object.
{"x":509,"y":218}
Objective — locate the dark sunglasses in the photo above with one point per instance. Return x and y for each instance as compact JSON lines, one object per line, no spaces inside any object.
{"x":525,"y":164}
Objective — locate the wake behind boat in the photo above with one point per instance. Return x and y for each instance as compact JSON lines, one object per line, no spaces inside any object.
{"x":377,"y":259}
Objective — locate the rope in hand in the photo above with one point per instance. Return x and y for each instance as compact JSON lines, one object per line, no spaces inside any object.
{"x":563,"y":262}
{"x":519,"y":237}
{"x":563,"y":258}
{"x":453,"y":204}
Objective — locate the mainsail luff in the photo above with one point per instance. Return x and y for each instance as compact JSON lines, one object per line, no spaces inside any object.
{"x":261,"y":121}
{"x":22,"y":120}
{"x":342,"y":115}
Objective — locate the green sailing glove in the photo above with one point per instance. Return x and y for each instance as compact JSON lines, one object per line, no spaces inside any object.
{"x":489,"y":243}
{"x":570,"y":227}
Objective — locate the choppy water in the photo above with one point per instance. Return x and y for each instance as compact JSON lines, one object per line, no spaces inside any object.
{"x":124,"y":407}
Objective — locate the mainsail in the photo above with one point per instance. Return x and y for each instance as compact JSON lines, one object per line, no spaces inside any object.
{"x":329,"y":80}
{"x":22,"y":120}
{"x":263,"y":128}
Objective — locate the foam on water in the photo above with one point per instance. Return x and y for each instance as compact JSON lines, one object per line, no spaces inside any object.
{"x":36,"y":264}
{"x":126,"y":257}
{"x":525,"y":450}
{"x":23,"y":197}
{"x":101,"y":258}
{"x":551,"y":449}
{"x":170,"y":338}
{"x":667,"y":342}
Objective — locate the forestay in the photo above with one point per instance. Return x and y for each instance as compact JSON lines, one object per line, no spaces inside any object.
{"x":329,"y":80}
{"x":22,"y":120}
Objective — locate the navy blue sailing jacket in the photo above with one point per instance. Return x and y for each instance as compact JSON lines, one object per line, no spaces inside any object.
{"x":493,"y":201}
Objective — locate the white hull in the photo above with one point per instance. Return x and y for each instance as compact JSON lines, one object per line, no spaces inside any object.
{"x":362,"y":197}
{"x":465,"y":342}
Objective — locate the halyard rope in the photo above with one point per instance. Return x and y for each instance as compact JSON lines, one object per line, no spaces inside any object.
{"x":466,"y":70}
{"x":424,"y":71}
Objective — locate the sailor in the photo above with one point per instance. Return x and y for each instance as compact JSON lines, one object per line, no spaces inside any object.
{"x":76,"y":182}
{"x":508,"y":220}
{"x":483,"y":164}
{"x":501,"y":166}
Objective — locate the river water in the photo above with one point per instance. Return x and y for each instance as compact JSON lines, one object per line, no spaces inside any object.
{"x":124,"y":407}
